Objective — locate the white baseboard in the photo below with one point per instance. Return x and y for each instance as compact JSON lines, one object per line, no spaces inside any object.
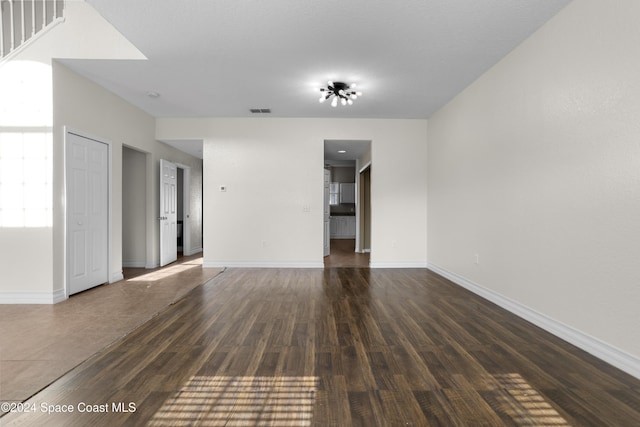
{"x":262,"y":264}
{"x":32,"y":297}
{"x":134,"y":264}
{"x":600,"y":349}
{"x":384,"y":264}
{"x":59,"y":296}
{"x":150,"y":266}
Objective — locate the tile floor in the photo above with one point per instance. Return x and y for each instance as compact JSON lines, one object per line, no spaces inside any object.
{"x":42,"y":342}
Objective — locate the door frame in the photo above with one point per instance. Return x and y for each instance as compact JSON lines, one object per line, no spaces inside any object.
{"x":326,"y":215}
{"x":110,"y":277}
{"x":360,"y":207}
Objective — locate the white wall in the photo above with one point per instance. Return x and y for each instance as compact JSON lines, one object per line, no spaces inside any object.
{"x":64,"y":99}
{"x":273,"y":168}
{"x":535,"y":168}
{"x":26,"y":104}
{"x":86,"y":107}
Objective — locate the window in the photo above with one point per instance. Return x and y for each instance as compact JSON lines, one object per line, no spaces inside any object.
{"x":25,"y":178}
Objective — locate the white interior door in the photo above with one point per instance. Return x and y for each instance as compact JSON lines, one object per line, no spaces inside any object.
{"x":327,"y":214}
{"x":168,"y":212}
{"x":87,"y":175}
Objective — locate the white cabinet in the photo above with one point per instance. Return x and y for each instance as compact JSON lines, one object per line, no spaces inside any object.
{"x":333,"y":221}
{"x":334,"y":193}
{"x":351,"y":227}
{"x":343,"y":227}
{"x":347,"y":193}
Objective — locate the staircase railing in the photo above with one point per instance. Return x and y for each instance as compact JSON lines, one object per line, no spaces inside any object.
{"x":22,"y":21}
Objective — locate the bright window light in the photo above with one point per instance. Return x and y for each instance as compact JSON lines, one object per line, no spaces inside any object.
{"x":26,"y":119}
{"x":27,"y":97}
{"x":223,"y":401}
{"x":25,"y":178}
{"x":525,"y":405}
{"x":167,"y":271}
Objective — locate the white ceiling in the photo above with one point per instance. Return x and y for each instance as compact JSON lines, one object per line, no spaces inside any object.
{"x":220,"y":58}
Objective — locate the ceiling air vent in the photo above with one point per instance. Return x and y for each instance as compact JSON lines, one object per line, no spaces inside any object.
{"x":260,"y":110}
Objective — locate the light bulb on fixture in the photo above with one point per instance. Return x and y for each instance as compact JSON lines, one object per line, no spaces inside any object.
{"x":339,"y":91}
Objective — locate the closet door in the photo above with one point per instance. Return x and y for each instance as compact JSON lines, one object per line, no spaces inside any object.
{"x":87,"y":194}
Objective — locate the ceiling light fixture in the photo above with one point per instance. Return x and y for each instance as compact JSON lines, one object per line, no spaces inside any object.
{"x":339,"y":92}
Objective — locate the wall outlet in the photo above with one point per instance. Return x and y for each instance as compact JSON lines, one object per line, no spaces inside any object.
{"x":477,"y":259}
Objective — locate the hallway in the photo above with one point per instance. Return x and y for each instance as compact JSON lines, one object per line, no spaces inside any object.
{"x":343,"y":254}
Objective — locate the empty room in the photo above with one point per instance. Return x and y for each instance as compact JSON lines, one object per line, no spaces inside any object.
{"x":305,"y":213}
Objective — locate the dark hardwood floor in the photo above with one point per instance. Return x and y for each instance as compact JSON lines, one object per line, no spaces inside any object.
{"x":343,"y":254}
{"x":337,"y":347}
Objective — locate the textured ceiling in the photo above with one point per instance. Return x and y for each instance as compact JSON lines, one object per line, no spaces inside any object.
{"x":221,"y":58}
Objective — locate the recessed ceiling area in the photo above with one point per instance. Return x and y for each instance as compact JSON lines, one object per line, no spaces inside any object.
{"x":353,"y":149}
{"x":221,"y":58}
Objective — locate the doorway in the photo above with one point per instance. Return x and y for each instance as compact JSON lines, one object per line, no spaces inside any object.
{"x":343,"y":162}
{"x":175,"y":224}
{"x":134,"y":208}
{"x":184,"y":210}
{"x":364,"y":209}
{"x":180,"y":210}
{"x":87,"y":183}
